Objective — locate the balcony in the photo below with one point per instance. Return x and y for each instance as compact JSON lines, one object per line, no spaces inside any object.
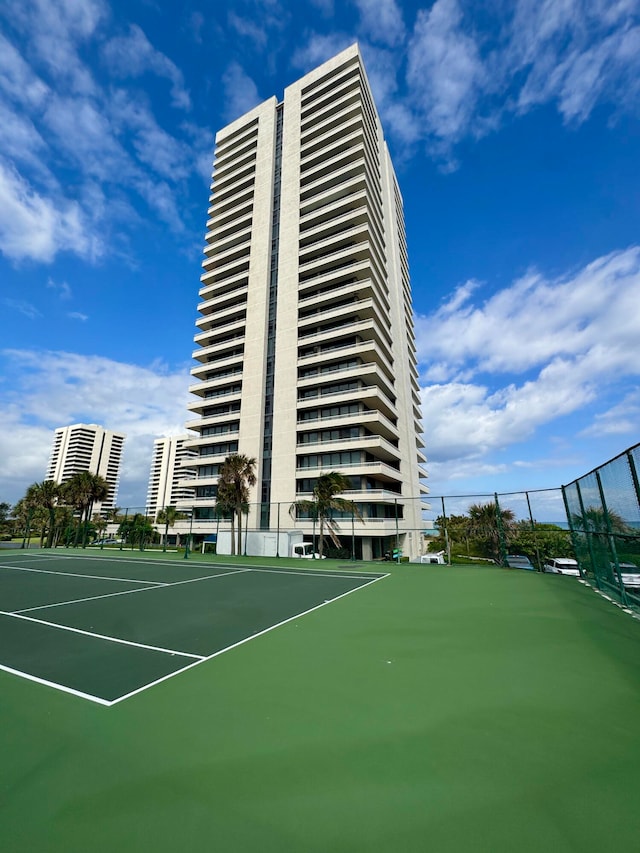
{"x":375,"y":420}
{"x":372,"y":397}
{"x":207,"y":353}
{"x":202,"y":369}
{"x":199,"y":405}
{"x":230,"y":299}
{"x":369,"y":351}
{"x":205,"y":386}
{"x":209,"y":420}
{"x":236,"y":326}
{"x":375,"y":444}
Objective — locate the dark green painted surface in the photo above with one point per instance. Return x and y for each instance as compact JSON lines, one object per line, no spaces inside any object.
{"x":204,"y":616}
{"x":438,"y":710}
{"x":21,"y":589}
{"x":87,"y":664}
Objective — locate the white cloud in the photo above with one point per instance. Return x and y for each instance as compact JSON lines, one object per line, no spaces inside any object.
{"x":382,"y":21}
{"x":569,"y":338}
{"x":444,"y":70}
{"x":63,"y":289}
{"x":22,"y":307}
{"x":58,"y":388}
{"x":156,"y":148}
{"x":249,"y":28}
{"x":465,"y":73}
{"x":77,"y":315}
{"x":240,"y":92}
{"x":55,"y":31}
{"x":17,"y":79}
{"x":319,"y":48}
{"x":133,"y":55}
{"x":535,"y":319}
{"x":35,"y":227}
{"x":621,"y":419}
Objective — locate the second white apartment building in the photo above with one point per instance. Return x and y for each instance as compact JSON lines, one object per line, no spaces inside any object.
{"x":169,"y":470}
{"x":88,"y":447}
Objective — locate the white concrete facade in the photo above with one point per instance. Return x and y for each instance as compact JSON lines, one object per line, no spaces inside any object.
{"x":306,"y":355}
{"x":168,"y":473}
{"x":87,"y":447}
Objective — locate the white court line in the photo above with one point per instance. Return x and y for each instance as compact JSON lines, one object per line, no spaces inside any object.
{"x":76,"y":575}
{"x":256,"y":568}
{"x":55,"y":685}
{"x":245,"y":640}
{"x":123,"y":592}
{"x":102,"y":636}
{"x":304,"y":573}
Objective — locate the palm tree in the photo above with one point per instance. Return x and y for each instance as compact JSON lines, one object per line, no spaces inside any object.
{"x":81,"y":491}
{"x":45,"y":495}
{"x":236,"y":476}
{"x":168,"y":515}
{"x":594,"y":520}
{"x":488,"y":525}
{"x":324,"y":503}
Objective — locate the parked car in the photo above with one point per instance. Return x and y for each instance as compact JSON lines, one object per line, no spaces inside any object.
{"x":562,"y":566}
{"x":630,"y":574}
{"x":109,"y":541}
{"x":519,"y":561}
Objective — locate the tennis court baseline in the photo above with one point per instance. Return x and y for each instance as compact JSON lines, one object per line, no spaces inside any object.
{"x":105,"y":628}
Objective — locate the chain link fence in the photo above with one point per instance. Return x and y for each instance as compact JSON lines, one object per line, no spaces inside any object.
{"x":603,"y":510}
{"x":594,"y":520}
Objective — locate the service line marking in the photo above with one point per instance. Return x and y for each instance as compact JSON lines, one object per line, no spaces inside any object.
{"x":76,"y":575}
{"x":122,"y":592}
{"x":101,"y":636}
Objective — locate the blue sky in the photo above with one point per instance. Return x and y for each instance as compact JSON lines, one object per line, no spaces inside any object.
{"x":516,"y":138}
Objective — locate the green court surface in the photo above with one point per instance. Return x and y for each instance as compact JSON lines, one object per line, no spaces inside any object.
{"x":435,"y":709}
{"x":105,"y":627}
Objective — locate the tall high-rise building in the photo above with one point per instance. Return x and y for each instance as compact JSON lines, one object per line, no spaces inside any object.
{"x":87,"y":447}
{"x":305,"y":344}
{"x":168,"y":473}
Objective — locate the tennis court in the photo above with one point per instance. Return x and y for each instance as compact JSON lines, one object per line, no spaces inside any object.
{"x":105,"y":628}
{"x":438,"y":708}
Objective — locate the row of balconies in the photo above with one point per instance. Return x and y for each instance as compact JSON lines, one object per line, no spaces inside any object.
{"x":340,"y":94}
{"x":324,"y":86}
{"x":212,"y":290}
{"x":234,"y":141}
{"x":226,"y":217}
{"x":228,"y":166}
{"x":225,"y":176}
{"x":226,"y":300}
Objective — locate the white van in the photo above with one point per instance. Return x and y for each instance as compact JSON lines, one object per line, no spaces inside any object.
{"x":562,"y":566}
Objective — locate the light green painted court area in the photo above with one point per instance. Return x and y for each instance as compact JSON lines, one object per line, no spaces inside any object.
{"x":280,"y":707}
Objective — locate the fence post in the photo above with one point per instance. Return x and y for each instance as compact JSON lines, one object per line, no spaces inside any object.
{"x":535,"y":537}
{"x":572,"y":533}
{"x":634,"y":476}
{"x":501,"y":537}
{"x":587,"y":533}
{"x":446,"y":531}
{"x":611,"y":537}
